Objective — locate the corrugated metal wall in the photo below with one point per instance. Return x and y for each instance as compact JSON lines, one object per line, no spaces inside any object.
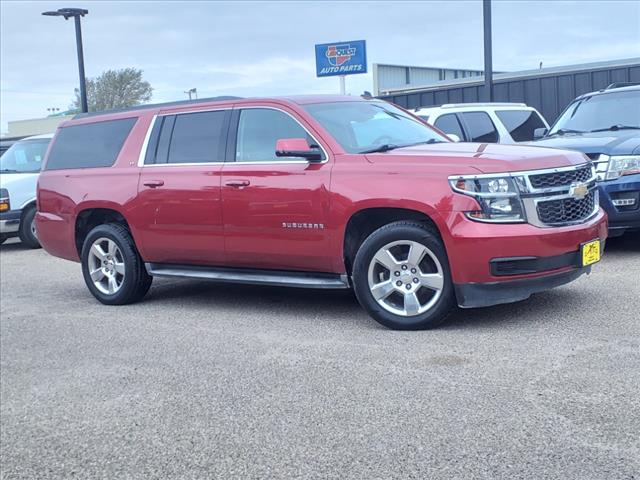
{"x":549,"y":93}
{"x":387,"y":77}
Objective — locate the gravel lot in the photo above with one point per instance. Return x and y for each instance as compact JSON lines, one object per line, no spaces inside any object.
{"x":207,"y":381}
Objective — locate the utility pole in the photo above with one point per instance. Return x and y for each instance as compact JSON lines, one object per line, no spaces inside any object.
{"x":488,"y":62}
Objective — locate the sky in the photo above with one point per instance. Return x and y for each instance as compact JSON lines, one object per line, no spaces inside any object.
{"x":267,"y":48}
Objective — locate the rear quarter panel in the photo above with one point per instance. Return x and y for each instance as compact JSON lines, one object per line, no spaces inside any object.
{"x":63,"y":194}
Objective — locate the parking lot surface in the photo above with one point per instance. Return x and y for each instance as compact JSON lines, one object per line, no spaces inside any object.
{"x":209,"y":381}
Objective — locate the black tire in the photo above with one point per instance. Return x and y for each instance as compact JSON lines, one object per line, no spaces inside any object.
{"x":26,"y":233}
{"x":136,"y":281}
{"x":3,"y":238}
{"x":397,"y":232}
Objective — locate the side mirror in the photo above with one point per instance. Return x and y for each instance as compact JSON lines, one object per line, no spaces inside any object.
{"x":454,"y":138}
{"x":297,"y":147}
{"x":539,"y":133}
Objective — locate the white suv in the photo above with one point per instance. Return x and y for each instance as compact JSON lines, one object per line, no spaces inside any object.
{"x":485,"y":122}
{"x":19,"y":170}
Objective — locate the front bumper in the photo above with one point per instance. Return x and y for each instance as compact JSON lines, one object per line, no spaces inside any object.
{"x":502,"y":263}
{"x":621,"y":218}
{"x":471,"y":295}
{"x":10,"y":222}
{"x":472,"y":246}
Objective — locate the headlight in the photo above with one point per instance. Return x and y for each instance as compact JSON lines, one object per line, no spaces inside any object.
{"x":5,"y":206}
{"x":498,"y":198}
{"x":623,"y":165}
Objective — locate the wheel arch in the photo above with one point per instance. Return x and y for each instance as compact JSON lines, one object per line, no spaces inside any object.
{"x":25,"y":208}
{"x":28,"y":203}
{"x":365,"y":221}
{"x":91,"y":216}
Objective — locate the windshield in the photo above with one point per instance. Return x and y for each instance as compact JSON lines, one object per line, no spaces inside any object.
{"x":601,"y":112}
{"x":365,"y":126}
{"x":24,"y":156}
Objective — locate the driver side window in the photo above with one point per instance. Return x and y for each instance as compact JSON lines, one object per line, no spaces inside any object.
{"x":258,"y":131}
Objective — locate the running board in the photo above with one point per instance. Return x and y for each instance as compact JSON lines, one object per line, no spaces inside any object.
{"x":254,"y":277}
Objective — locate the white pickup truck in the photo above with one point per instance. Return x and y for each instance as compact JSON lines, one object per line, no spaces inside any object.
{"x":19,"y":170}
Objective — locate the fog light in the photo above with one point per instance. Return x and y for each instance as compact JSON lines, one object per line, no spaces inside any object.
{"x":624,"y":202}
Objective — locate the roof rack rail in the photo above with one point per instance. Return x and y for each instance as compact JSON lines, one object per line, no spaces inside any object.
{"x":621,"y":84}
{"x":484,"y":104}
{"x":156,"y":105}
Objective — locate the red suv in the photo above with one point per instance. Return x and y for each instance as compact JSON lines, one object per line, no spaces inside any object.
{"x":317,"y":192}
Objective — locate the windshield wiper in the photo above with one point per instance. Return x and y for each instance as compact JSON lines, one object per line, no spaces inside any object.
{"x":426,"y":142}
{"x":616,"y":127}
{"x":385,"y":147}
{"x":563,"y":131}
{"x":392,"y":146}
{"x":9,"y":170}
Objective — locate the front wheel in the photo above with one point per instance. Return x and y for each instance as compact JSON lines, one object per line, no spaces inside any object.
{"x":401,"y":277}
{"x":111,"y":266}
{"x":27,"y":232}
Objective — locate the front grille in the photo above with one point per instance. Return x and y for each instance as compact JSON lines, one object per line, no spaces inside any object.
{"x":566,"y":210}
{"x":556,"y":179}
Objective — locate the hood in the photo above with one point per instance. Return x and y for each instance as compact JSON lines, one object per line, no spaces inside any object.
{"x":621,"y":142}
{"x":482,"y":157}
{"x":21,"y":187}
{"x":14,"y":179}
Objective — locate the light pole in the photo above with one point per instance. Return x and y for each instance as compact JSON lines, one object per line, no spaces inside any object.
{"x":488,"y":54}
{"x":76,"y":13}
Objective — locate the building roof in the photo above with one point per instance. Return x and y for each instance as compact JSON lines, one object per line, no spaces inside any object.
{"x":479,"y":80}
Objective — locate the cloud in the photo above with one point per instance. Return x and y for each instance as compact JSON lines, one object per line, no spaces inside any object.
{"x":261,"y":49}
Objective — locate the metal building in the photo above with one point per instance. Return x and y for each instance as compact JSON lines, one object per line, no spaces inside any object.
{"x":549,"y":89}
{"x":389,"y":77}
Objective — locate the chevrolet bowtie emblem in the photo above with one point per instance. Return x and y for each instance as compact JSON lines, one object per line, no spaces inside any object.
{"x":578,"y":190}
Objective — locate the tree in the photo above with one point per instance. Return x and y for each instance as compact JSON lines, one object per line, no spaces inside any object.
{"x":115,"y":89}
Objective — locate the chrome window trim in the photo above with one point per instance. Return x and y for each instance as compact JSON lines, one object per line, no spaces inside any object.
{"x":190,"y":164}
{"x":253,"y":107}
{"x":145,"y":143}
{"x":147,"y":138}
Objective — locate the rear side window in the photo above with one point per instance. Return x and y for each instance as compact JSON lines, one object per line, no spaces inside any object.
{"x":480,"y":127}
{"x":89,"y":146}
{"x":188,"y":138}
{"x":197,"y":138}
{"x":449,"y":124}
{"x":520,"y":123}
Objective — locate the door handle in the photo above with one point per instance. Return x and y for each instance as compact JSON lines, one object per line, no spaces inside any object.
{"x":153,"y":183}
{"x":237,"y":183}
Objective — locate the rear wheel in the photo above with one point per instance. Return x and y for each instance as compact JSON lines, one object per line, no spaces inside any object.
{"x":401,"y":277}
{"x":3,"y":238}
{"x":111,"y":266}
{"x":27,"y":233}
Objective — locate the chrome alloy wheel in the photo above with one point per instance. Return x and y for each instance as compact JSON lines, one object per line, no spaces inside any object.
{"x":405,"y":278}
{"x":106,"y":266}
